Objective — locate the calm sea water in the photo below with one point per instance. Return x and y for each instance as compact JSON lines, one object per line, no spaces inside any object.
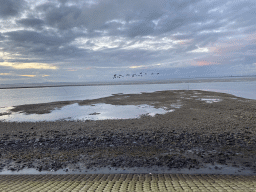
{"x":14,"y":97}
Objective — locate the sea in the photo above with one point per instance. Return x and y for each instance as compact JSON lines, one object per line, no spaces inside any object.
{"x":15,"y":95}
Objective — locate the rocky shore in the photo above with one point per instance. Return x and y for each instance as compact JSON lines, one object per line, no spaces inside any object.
{"x":195,"y":134}
{"x":135,"y":149}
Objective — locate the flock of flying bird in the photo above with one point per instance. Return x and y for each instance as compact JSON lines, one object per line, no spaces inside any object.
{"x":132,"y":75}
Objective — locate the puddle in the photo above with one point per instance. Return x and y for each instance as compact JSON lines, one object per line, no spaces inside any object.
{"x":176,"y":106}
{"x":213,"y":100}
{"x":5,"y":109}
{"x":99,"y":111}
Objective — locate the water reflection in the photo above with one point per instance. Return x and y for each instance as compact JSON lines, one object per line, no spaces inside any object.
{"x":99,"y":111}
{"x":207,"y":100}
{"x":207,"y":169}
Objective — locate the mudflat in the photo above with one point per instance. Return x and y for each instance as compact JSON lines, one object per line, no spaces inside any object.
{"x":204,"y":128}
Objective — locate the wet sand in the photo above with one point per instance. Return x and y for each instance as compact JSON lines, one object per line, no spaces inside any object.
{"x":205,"y":128}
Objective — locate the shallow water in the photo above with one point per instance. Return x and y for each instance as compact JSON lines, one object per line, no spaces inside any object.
{"x":207,"y":100}
{"x":208,"y":169}
{"x":99,"y":111}
{"x":13,"y":97}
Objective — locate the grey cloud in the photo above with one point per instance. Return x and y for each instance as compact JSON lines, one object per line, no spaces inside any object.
{"x":244,"y":17}
{"x":209,"y":38}
{"x":134,"y":57}
{"x":140,"y":29}
{"x":137,"y":10}
{"x":10,"y":8}
{"x":33,"y":37}
{"x":53,"y":53}
{"x":95,"y":17}
{"x":64,"y":53}
{"x":66,"y":17}
{"x":63,"y":1}
{"x":45,"y":46}
{"x":250,"y":48}
{"x":250,"y":59}
{"x":5,"y":69}
{"x":31,"y":22}
{"x":62,"y":17}
{"x":172,"y":15}
{"x":111,"y":27}
{"x":56,"y":24}
{"x":170,"y":24}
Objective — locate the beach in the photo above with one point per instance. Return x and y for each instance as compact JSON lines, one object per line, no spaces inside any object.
{"x":203,"y":128}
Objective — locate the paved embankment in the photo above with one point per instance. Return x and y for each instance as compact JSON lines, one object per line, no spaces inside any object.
{"x":126,"y":182}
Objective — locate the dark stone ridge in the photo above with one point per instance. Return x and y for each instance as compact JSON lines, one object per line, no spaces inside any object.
{"x":136,"y":149}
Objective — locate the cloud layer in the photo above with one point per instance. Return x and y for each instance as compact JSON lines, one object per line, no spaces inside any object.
{"x":75,"y":40}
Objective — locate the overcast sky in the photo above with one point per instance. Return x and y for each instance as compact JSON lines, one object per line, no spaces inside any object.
{"x":91,"y":40}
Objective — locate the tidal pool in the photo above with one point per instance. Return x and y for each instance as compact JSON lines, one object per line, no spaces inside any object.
{"x":98,"y":111}
{"x":210,"y":100}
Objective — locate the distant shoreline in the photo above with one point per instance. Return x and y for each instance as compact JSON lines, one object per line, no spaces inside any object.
{"x":170,"y":81}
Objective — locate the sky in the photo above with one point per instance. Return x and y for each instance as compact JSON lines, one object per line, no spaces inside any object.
{"x":92,"y":40}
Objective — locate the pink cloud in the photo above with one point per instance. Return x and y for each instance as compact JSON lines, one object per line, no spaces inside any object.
{"x":203,"y":63}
